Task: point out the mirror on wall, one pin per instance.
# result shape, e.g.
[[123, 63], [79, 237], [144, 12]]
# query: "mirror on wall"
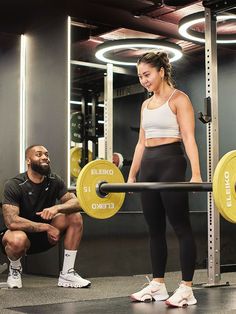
[[94, 89], [86, 116], [86, 102]]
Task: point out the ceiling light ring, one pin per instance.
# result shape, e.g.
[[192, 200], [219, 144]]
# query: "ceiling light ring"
[[199, 37], [145, 43]]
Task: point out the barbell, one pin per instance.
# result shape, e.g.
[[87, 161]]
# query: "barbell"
[[100, 188]]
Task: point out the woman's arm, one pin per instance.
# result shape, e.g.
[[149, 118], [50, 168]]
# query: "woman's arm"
[[185, 116], [138, 153]]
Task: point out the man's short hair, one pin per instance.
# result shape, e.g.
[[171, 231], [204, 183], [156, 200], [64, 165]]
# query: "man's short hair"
[[28, 149]]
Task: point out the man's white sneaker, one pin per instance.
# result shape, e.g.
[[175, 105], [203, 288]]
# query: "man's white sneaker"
[[14, 278], [72, 280], [155, 291], [183, 296]]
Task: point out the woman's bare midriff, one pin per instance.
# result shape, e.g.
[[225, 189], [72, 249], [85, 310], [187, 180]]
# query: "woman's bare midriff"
[[151, 142]]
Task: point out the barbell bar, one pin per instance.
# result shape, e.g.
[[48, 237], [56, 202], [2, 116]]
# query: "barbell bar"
[[100, 188], [103, 188]]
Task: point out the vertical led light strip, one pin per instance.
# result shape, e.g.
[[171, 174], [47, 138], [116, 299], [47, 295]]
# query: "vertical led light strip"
[[22, 132], [68, 97]]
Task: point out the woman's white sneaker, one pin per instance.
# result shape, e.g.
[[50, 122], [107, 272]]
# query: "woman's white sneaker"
[[183, 296], [155, 291]]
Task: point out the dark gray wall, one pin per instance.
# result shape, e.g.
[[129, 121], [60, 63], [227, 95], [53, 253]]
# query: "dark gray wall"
[[227, 100], [190, 77], [46, 98], [9, 106]]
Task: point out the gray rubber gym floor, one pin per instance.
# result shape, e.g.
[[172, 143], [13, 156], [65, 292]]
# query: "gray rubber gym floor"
[[111, 295]]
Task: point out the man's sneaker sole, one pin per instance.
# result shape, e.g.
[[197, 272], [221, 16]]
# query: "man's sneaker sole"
[[14, 286], [67, 284]]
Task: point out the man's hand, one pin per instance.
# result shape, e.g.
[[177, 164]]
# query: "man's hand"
[[48, 213], [53, 234]]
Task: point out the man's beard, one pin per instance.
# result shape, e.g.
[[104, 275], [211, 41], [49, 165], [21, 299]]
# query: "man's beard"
[[43, 170]]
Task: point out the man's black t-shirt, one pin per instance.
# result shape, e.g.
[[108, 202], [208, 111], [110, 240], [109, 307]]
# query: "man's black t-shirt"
[[31, 197]]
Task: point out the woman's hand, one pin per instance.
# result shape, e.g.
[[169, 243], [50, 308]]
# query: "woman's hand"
[[196, 179], [131, 180]]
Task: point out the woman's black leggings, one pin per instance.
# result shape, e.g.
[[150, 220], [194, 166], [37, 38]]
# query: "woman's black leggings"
[[167, 163]]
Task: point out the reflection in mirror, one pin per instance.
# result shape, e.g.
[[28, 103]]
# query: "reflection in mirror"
[[92, 94], [86, 116], [94, 88], [128, 96], [86, 103]]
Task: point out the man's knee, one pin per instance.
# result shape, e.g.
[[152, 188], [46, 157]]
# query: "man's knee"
[[76, 220], [16, 241]]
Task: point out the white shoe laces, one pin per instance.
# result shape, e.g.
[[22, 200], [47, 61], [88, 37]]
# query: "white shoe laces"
[[146, 283], [182, 288], [15, 273], [72, 271]]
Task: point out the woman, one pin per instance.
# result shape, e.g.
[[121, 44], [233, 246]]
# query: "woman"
[[167, 121]]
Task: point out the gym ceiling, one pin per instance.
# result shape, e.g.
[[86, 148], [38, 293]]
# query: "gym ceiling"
[[102, 20]]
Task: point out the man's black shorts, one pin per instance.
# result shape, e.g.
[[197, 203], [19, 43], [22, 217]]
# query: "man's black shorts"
[[39, 242]]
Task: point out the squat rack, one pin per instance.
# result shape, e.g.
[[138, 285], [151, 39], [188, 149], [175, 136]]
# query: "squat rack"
[[212, 7]]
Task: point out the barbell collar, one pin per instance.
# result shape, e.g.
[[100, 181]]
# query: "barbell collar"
[[104, 188]]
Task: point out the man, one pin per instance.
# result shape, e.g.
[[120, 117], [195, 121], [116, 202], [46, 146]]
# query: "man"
[[35, 220]]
